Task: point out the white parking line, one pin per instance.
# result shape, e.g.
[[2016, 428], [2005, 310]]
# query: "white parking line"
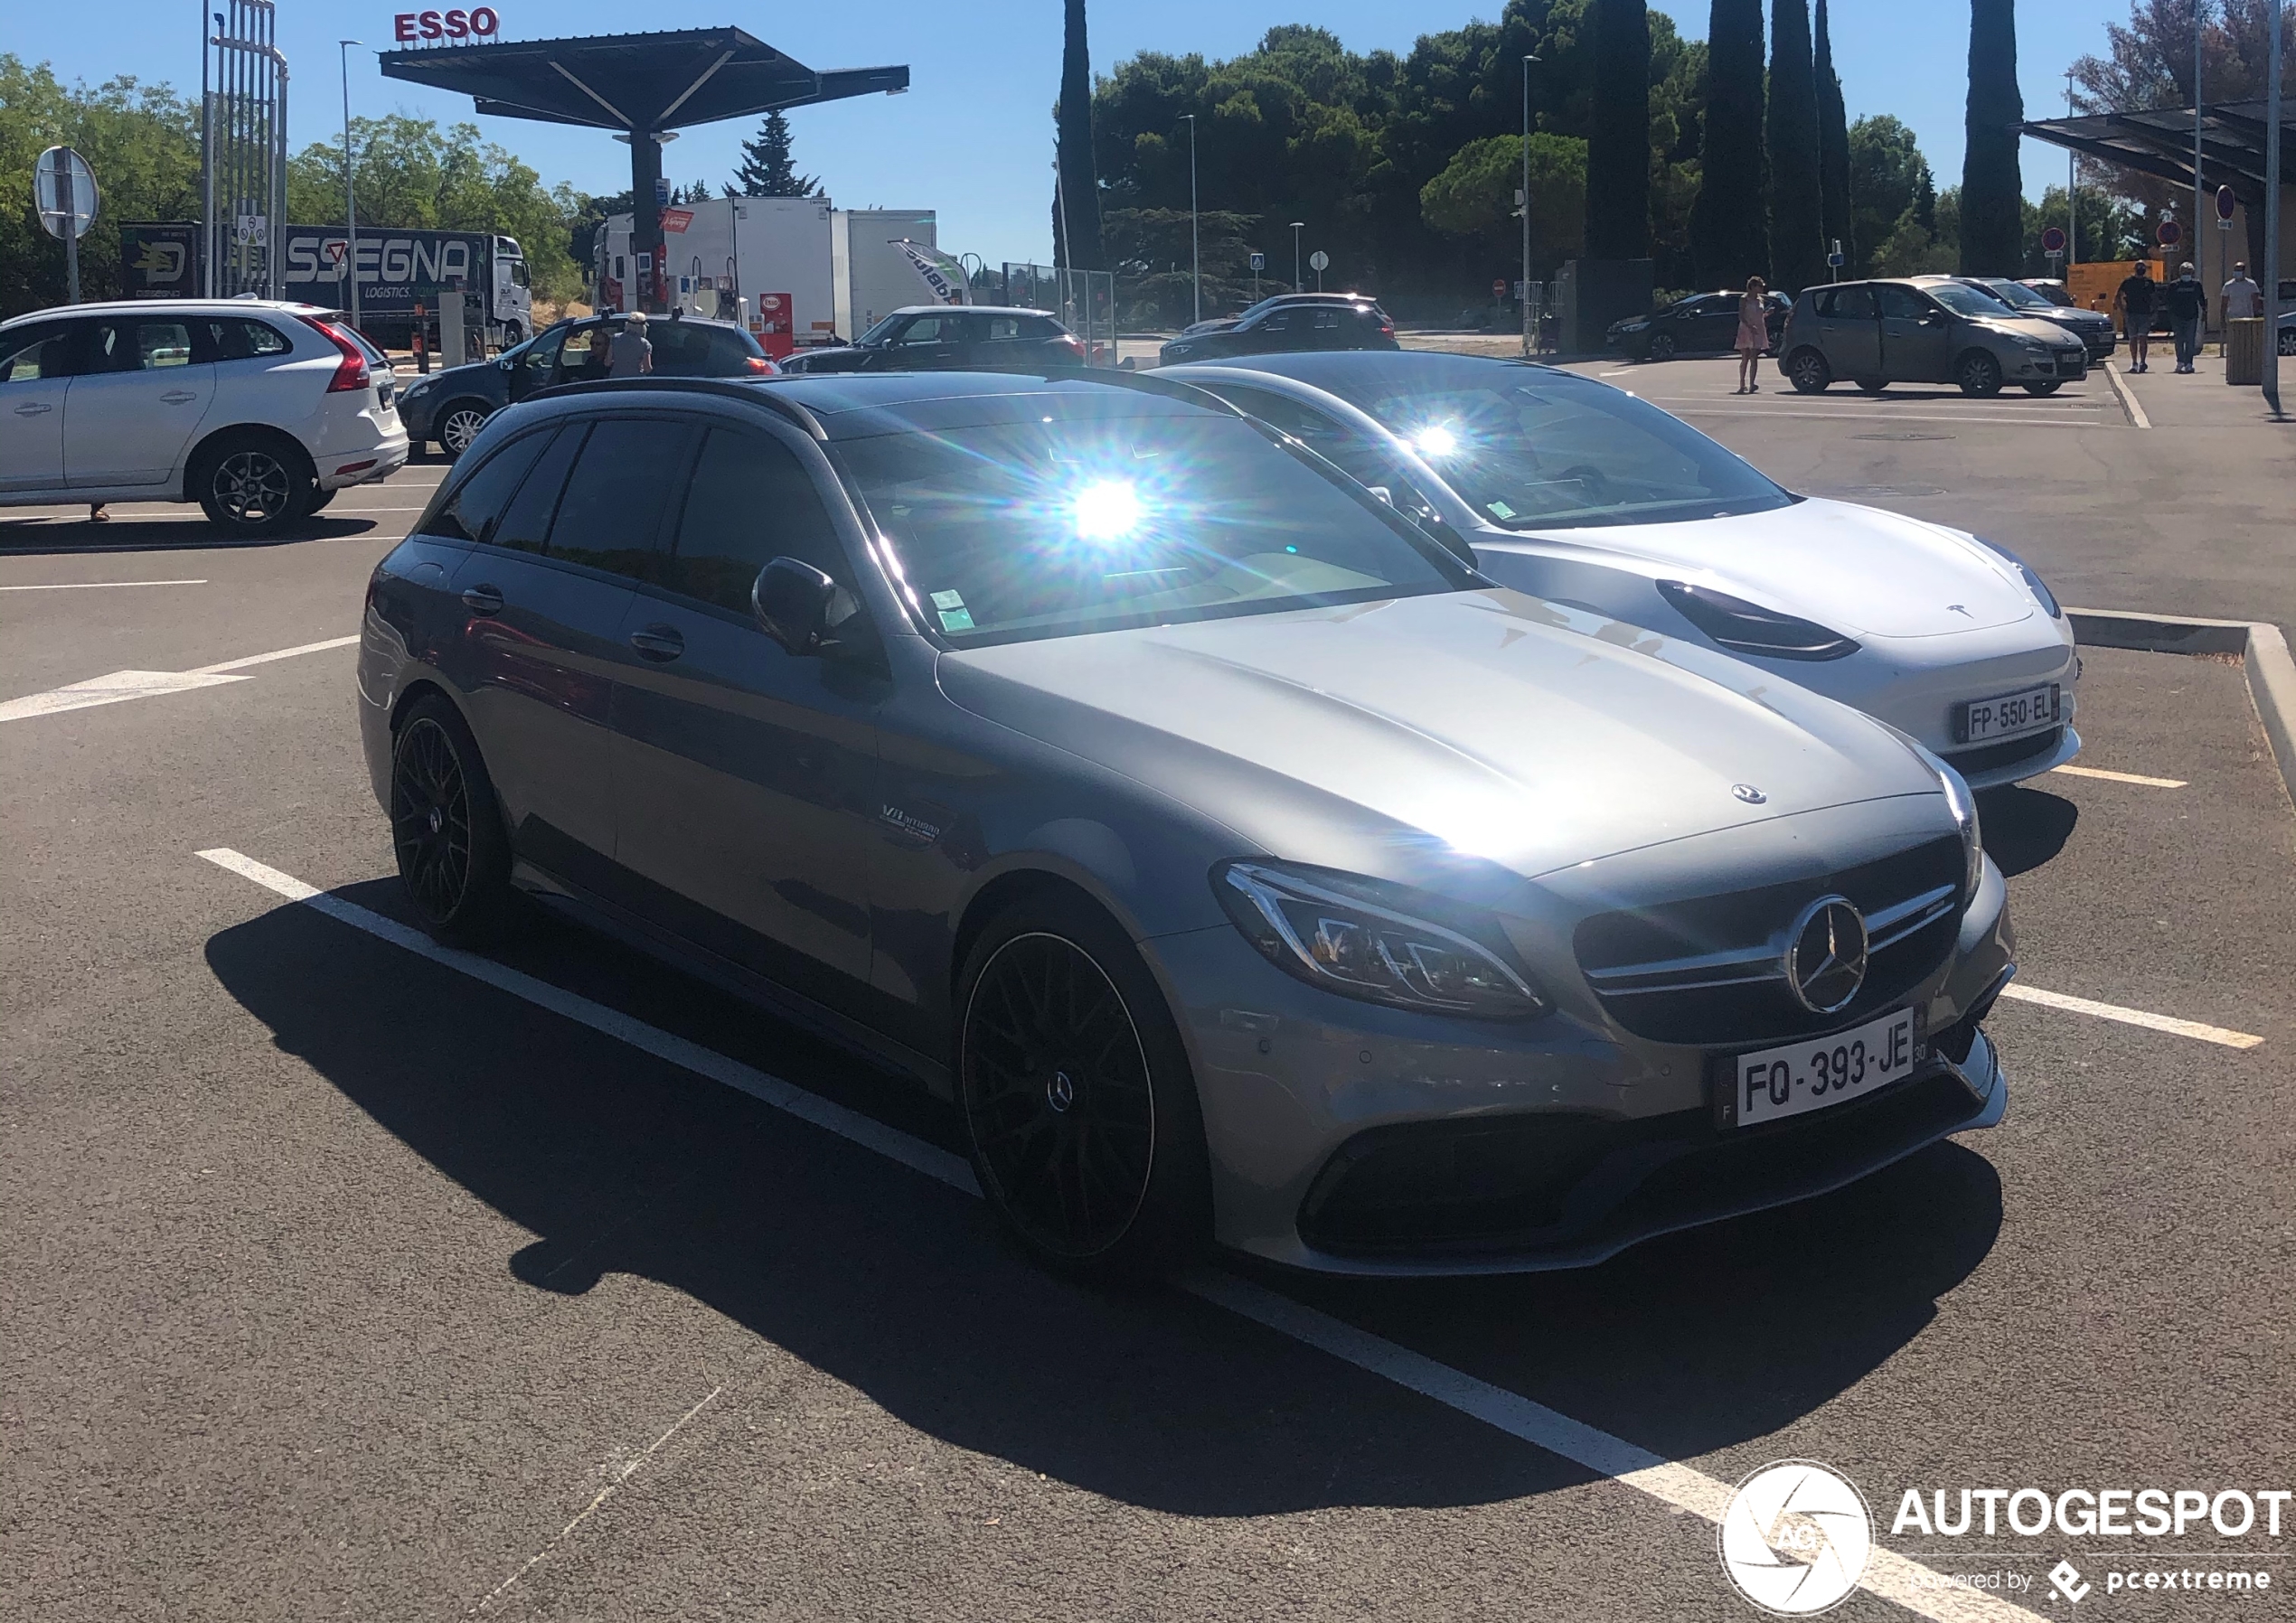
[[2121, 778], [1887, 1574], [2133, 1017], [123, 685], [2137, 417], [90, 586]]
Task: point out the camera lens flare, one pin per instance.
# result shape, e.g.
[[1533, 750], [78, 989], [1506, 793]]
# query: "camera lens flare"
[[1107, 510], [1434, 440]]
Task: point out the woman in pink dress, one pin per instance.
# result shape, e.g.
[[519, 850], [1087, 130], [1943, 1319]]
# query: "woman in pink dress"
[[1753, 336]]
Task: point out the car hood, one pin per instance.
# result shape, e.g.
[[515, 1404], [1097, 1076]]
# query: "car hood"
[[455, 376], [1862, 571], [2037, 327], [1483, 723]]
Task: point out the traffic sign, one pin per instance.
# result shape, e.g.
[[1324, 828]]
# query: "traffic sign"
[[64, 189], [1498, 285], [2225, 203], [1259, 261], [2053, 239], [2171, 233], [1319, 260]]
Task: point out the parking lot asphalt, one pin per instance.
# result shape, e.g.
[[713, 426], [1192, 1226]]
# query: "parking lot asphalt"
[[2195, 514], [340, 1280]]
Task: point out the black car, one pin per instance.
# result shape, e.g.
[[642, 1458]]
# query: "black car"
[[2093, 328], [1312, 321], [449, 406], [1703, 323], [974, 338]]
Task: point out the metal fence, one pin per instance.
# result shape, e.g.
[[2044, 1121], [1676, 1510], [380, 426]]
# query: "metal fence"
[[1084, 300], [243, 151]]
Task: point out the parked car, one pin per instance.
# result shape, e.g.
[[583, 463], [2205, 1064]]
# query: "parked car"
[[1571, 490], [450, 406], [2287, 332], [2093, 328], [257, 410], [946, 337], [1924, 330], [1242, 865], [1221, 324], [1291, 322], [1703, 323]]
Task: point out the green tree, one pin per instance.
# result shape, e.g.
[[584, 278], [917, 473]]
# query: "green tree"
[[1833, 147], [1618, 145], [142, 141], [1797, 255], [1076, 206], [1888, 179], [1729, 234], [1992, 192], [767, 169], [1473, 200]]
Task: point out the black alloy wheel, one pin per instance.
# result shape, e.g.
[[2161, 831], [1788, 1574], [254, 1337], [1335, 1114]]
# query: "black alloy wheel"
[[1662, 346], [1807, 369], [1076, 1100], [1872, 385], [250, 485], [1979, 375], [445, 826], [2045, 389], [459, 427]]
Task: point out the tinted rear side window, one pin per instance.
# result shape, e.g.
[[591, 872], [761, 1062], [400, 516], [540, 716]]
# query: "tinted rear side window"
[[680, 351], [525, 526], [748, 502], [229, 338], [610, 517], [478, 499], [1846, 303]]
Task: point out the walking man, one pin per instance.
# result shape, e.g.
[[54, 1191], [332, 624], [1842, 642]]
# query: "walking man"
[[2187, 304], [2242, 298], [632, 355], [2134, 301]]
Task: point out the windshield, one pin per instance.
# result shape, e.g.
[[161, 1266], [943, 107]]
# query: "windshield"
[[1530, 449], [883, 330], [2020, 295], [1962, 299], [1016, 530]]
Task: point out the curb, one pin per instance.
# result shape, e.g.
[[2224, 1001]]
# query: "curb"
[[2261, 650]]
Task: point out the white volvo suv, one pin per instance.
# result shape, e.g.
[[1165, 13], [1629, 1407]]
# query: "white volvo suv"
[[259, 411]]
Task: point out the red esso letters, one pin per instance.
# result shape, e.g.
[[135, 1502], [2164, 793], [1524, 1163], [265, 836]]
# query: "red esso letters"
[[481, 24]]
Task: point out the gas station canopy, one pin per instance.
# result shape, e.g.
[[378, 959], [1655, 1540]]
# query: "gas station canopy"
[[2158, 142]]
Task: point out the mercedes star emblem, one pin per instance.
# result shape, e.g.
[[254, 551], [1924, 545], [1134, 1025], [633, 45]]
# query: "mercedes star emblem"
[[1825, 960], [1749, 793]]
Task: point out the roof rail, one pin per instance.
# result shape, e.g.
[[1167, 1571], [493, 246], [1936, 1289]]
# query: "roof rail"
[[726, 388]]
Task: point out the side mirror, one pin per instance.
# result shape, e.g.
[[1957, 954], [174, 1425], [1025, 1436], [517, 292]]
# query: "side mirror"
[[790, 600]]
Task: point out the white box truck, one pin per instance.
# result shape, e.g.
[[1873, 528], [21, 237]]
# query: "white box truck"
[[873, 278], [763, 261]]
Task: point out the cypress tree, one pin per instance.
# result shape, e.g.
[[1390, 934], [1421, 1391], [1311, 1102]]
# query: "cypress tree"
[[1797, 256], [1833, 147], [1729, 237], [1992, 190], [1077, 179], [1618, 136]]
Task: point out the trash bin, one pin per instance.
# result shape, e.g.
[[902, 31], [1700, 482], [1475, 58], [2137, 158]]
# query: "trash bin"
[[2244, 350]]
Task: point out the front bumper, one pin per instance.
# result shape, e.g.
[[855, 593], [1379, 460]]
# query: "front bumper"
[[1573, 1137]]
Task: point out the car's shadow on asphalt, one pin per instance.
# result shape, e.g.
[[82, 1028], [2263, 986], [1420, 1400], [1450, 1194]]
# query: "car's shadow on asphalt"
[[2024, 828], [904, 1289], [26, 538]]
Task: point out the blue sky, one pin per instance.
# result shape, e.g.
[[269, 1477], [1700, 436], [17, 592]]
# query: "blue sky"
[[974, 138]]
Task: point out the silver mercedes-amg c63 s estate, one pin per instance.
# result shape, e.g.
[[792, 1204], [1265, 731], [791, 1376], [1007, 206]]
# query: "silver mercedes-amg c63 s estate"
[[1243, 866]]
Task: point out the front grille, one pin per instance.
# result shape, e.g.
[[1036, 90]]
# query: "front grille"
[[1710, 970], [1986, 757]]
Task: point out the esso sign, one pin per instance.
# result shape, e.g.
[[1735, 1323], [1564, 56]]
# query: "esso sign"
[[481, 24]]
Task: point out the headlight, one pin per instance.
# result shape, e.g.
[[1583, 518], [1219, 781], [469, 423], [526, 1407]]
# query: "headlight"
[[1743, 627], [1365, 938], [1964, 809], [2033, 583]]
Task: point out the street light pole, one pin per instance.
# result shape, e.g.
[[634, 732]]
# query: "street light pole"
[[2072, 195], [2199, 12], [349, 192], [1297, 225], [2272, 209], [1195, 237], [1525, 197]]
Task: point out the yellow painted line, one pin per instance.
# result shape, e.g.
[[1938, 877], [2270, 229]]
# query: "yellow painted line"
[[2134, 1017], [2120, 777]]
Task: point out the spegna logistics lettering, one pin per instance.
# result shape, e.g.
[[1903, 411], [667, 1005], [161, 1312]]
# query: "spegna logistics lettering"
[[2150, 1512]]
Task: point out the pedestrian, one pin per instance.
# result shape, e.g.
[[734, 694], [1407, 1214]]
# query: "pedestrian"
[[1753, 336], [631, 355], [2186, 301], [2134, 301], [2243, 300]]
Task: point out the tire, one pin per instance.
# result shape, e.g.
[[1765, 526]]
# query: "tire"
[[2287, 341], [252, 483], [458, 424], [319, 498], [1662, 346], [1807, 371], [1873, 386], [1979, 375], [1064, 1110], [447, 828], [2044, 389]]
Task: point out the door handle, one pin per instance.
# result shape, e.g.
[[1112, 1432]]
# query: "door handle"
[[662, 644], [179, 397], [34, 408], [482, 600]]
